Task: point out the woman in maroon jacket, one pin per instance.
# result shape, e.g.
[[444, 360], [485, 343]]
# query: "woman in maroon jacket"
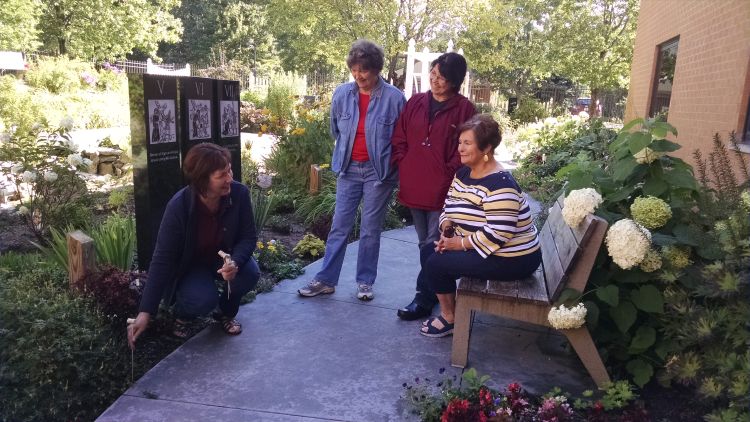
[[425, 145]]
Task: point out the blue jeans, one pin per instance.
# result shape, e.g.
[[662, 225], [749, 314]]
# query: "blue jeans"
[[358, 183], [426, 223], [197, 294]]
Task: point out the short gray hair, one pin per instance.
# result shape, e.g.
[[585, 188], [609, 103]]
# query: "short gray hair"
[[366, 54]]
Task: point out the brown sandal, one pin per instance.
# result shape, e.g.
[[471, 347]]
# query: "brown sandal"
[[180, 329], [231, 326]]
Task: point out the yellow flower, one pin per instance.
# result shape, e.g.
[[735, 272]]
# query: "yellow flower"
[[271, 248], [298, 131], [259, 245], [325, 166]]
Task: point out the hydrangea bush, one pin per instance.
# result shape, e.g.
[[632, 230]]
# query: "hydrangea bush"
[[668, 292], [41, 165]]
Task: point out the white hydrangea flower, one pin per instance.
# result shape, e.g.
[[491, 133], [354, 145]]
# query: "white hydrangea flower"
[[67, 123], [550, 121], [22, 210], [16, 169], [265, 180], [578, 204], [583, 115], [646, 156], [50, 176], [564, 318], [628, 243], [75, 160], [28, 176]]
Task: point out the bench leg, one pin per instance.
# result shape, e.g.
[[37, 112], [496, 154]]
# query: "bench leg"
[[461, 331], [580, 339]]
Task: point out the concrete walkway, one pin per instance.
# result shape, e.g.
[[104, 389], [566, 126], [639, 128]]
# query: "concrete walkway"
[[334, 358]]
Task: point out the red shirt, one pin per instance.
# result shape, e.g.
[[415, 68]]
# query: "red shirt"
[[208, 233], [359, 150]]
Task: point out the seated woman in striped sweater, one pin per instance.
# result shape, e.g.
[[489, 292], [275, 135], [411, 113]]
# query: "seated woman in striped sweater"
[[486, 225]]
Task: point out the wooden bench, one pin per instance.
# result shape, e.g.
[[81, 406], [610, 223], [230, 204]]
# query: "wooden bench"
[[567, 259]]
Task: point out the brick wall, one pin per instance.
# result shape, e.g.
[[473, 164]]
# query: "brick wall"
[[712, 74]]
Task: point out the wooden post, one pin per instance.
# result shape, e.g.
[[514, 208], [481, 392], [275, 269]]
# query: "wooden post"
[[81, 256], [314, 178]]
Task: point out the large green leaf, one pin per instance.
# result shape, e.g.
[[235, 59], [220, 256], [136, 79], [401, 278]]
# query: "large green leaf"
[[623, 168], [660, 239], [580, 180], [662, 145], [592, 313], [710, 251], [629, 125], [641, 370], [638, 141], [624, 315], [620, 194], [609, 294], [689, 235], [655, 186], [644, 337], [648, 298], [680, 177]]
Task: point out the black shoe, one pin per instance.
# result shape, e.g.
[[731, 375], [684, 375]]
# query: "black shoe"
[[413, 311]]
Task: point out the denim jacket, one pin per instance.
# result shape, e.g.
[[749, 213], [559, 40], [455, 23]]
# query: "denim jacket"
[[386, 102]]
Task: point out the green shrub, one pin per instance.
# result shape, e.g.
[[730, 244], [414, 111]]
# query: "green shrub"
[[43, 169], [58, 75], [60, 359], [542, 149], [280, 101], [115, 242], [683, 321], [252, 97], [529, 111], [119, 198], [274, 258], [309, 143], [17, 105], [310, 246]]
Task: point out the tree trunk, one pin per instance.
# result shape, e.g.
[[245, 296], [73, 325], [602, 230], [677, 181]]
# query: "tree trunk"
[[593, 107], [61, 46]]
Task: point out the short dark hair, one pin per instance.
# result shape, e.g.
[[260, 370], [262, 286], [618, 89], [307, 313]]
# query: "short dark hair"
[[201, 161], [486, 130], [366, 54], [452, 68]]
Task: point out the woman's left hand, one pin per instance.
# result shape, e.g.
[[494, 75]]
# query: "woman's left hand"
[[228, 271]]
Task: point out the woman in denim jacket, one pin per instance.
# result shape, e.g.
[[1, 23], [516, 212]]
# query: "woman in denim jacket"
[[363, 115]]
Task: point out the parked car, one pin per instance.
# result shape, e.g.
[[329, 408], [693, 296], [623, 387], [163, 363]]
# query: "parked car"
[[583, 104]]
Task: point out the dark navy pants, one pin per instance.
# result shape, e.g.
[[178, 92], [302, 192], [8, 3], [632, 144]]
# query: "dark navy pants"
[[443, 269], [197, 294]]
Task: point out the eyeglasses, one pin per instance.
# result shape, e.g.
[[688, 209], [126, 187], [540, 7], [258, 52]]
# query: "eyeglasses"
[[435, 76]]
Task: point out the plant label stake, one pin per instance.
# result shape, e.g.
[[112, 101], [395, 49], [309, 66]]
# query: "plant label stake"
[[132, 354], [227, 261]]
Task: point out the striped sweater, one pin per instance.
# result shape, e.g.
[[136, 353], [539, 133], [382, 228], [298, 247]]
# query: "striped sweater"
[[491, 213]]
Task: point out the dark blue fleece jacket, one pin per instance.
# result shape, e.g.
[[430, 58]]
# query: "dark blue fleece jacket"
[[175, 244]]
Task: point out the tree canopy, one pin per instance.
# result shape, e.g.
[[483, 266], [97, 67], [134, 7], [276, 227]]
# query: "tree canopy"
[[96, 29], [514, 42]]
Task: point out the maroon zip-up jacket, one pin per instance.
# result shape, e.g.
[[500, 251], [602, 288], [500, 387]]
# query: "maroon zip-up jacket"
[[427, 154]]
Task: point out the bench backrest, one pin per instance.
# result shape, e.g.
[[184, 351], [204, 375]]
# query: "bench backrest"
[[568, 253]]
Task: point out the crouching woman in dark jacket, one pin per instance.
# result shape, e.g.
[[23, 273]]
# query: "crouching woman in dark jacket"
[[213, 213]]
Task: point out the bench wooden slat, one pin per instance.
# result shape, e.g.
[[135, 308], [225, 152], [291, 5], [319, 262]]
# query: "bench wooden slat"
[[530, 289], [565, 241], [553, 270]]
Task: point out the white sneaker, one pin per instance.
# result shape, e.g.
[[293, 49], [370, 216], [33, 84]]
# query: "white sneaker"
[[364, 292]]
